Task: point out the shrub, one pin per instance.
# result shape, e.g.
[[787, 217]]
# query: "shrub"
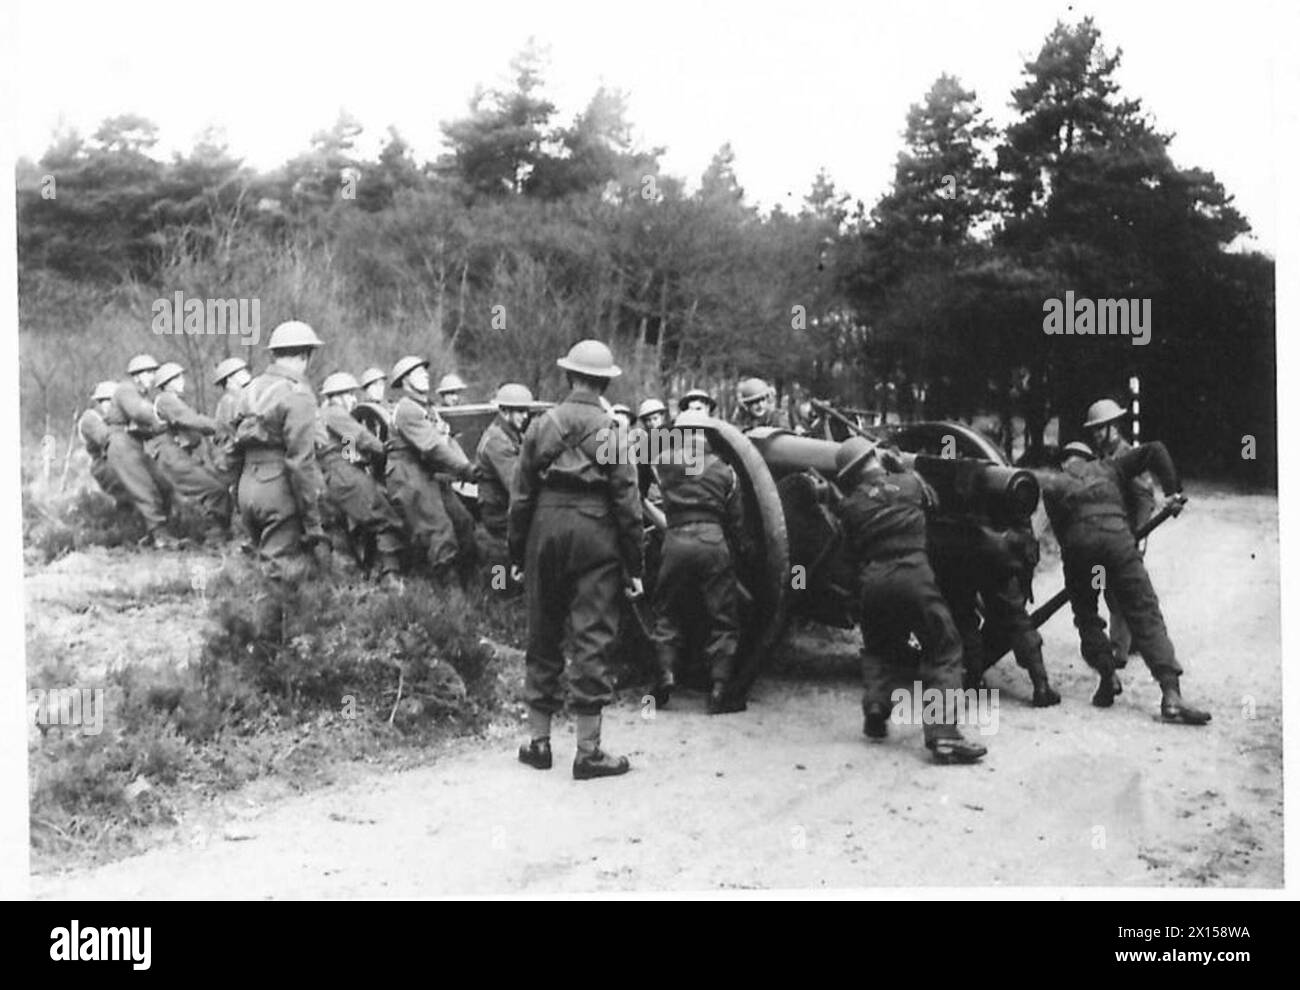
[[310, 645]]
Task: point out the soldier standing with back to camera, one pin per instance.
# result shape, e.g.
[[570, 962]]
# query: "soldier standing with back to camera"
[[280, 482], [575, 530], [885, 532], [702, 502], [1102, 424]]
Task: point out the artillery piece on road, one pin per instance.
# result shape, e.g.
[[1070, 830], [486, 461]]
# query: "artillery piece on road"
[[793, 561]]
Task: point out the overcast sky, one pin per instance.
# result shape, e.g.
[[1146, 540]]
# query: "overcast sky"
[[793, 86]]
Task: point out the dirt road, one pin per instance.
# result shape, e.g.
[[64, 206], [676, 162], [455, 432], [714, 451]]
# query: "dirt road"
[[791, 795]]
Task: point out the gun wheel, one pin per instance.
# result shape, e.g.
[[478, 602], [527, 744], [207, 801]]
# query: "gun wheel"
[[764, 572]]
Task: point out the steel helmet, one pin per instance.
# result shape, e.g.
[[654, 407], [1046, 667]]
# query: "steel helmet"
[[1104, 411], [104, 390], [1079, 448], [141, 362], [404, 367], [697, 393], [227, 368], [169, 371], [753, 388], [293, 335], [650, 407], [590, 357], [372, 375], [513, 396], [622, 407], [451, 382], [851, 454], [338, 382]]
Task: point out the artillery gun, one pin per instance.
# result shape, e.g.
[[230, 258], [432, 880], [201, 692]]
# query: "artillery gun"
[[792, 561]]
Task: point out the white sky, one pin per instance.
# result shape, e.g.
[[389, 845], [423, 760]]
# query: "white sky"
[[793, 86]]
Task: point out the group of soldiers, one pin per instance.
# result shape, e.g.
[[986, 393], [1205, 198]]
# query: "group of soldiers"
[[566, 520], [301, 474], [1096, 501]]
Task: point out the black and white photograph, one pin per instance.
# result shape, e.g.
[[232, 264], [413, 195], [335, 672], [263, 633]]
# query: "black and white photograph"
[[696, 450]]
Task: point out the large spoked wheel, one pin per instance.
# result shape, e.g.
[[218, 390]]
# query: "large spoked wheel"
[[763, 570]]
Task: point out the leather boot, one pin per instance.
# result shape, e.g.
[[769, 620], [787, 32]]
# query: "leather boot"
[[665, 680], [591, 761], [1108, 686], [949, 746], [537, 751], [723, 701], [1174, 709], [1044, 695], [875, 720]]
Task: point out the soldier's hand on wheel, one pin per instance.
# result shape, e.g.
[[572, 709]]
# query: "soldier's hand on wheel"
[[516, 574], [634, 589]]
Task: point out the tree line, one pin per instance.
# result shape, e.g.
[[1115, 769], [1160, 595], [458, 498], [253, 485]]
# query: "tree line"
[[530, 232]]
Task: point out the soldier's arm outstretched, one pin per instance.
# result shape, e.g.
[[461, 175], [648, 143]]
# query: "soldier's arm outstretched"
[[349, 430], [137, 409], [422, 434], [1153, 457]]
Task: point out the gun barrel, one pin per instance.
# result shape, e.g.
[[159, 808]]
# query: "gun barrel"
[[785, 453], [978, 487]]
